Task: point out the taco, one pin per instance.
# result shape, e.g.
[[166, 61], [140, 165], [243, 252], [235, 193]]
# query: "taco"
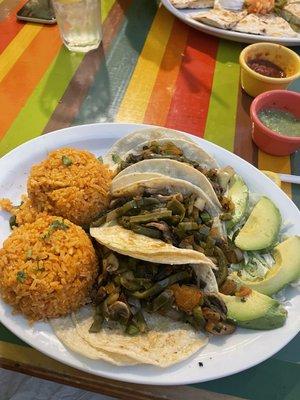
[[165, 148], [164, 220], [130, 141], [146, 312], [134, 182], [171, 168]]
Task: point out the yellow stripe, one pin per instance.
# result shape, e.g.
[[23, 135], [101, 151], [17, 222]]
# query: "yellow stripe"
[[17, 47], [276, 164], [106, 6], [136, 98]]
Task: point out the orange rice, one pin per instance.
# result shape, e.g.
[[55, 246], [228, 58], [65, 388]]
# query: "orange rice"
[[25, 213], [70, 183], [47, 268]]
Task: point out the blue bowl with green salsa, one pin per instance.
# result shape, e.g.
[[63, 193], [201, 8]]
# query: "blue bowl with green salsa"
[[275, 119]]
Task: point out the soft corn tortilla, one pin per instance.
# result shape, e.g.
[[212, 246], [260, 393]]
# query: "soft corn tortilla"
[[65, 330], [192, 3], [167, 342], [129, 243], [164, 183], [220, 18], [171, 168], [190, 150], [130, 141], [265, 25]]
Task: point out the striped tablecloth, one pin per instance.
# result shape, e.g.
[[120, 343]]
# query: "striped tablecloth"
[[150, 68]]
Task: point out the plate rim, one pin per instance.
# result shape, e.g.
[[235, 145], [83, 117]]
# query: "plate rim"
[[143, 379], [225, 33]]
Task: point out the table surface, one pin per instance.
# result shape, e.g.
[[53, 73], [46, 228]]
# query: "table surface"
[[150, 68]]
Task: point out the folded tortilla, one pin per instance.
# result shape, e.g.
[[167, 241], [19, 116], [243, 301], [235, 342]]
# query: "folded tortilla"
[[164, 183], [166, 343], [171, 168], [192, 3], [130, 141], [265, 25], [129, 243], [220, 18], [190, 150], [65, 330]]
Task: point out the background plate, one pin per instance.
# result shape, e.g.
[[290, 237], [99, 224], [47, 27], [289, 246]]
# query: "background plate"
[[222, 356], [223, 33]]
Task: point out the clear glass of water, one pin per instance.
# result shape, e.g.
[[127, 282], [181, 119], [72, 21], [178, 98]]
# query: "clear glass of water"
[[79, 22]]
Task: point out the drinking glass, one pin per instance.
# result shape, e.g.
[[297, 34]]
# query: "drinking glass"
[[79, 23]]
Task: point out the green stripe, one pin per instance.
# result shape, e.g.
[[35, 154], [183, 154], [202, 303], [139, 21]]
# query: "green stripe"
[[32, 119], [7, 336], [39, 107], [103, 100], [221, 118], [273, 379]]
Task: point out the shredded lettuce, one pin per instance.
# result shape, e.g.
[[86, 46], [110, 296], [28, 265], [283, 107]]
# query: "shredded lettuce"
[[255, 265]]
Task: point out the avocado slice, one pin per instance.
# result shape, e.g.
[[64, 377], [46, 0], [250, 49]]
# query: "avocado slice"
[[261, 228], [285, 270], [238, 193], [255, 311]]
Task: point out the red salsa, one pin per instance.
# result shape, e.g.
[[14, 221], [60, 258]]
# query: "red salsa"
[[266, 68]]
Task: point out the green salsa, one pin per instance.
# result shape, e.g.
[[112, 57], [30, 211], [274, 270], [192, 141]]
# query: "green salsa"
[[282, 122]]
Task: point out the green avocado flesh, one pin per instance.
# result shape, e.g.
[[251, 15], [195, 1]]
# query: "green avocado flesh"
[[261, 228], [239, 194], [255, 311], [285, 270]]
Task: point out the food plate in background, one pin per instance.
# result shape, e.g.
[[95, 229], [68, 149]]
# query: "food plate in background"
[[223, 356], [183, 15]]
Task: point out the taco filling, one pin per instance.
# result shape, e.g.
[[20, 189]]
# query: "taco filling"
[[127, 288], [176, 219], [155, 150]]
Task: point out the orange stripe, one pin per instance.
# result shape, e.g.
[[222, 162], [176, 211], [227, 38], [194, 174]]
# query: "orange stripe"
[[21, 80], [163, 89]]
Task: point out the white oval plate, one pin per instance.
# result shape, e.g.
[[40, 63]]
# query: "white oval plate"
[[222, 356], [184, 14]]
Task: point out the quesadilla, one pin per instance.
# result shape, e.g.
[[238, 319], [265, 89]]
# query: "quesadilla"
[[265, 25], [220, 18], [192, 3], [291, 13]]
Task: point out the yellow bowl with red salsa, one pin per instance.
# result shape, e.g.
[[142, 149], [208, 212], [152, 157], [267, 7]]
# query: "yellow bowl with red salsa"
[[268, 66]]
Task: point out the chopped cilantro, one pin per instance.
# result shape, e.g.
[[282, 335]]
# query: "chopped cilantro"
[[116, 158], [100, 159], [21, 276], [54, 226], [66, 161]]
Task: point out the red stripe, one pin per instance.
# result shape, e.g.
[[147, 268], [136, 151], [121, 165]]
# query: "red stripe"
[[10, 27], [189, 106]]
